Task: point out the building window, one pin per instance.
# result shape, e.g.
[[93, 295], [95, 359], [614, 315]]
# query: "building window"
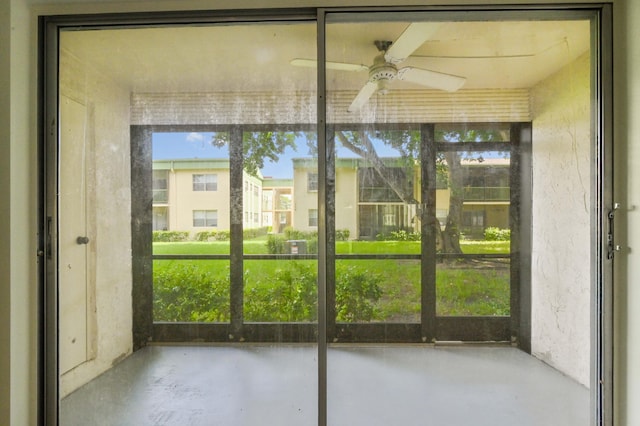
[[160, 186], [373, 187], [313, 217], [202, 218], [312, 181], [205, 182]]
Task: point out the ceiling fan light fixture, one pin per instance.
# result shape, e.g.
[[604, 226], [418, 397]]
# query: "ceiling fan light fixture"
[[383, 86]]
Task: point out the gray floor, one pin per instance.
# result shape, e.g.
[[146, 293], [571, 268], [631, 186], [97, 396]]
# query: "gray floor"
[[367, 385]]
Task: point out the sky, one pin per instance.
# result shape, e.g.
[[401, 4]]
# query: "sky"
[[173, 146], [188, 145]]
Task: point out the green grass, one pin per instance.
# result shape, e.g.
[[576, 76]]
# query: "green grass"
[[258, 246], [462, 287]]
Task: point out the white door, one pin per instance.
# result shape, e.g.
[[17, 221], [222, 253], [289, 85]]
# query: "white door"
[[73, 236]]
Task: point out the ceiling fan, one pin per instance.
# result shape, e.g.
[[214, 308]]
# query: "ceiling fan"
[[384, 68]]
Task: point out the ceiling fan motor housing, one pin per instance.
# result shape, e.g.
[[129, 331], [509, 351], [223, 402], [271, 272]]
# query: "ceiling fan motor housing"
[[382, 72]]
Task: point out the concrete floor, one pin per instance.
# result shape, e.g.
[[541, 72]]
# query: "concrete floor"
[[367, 385]]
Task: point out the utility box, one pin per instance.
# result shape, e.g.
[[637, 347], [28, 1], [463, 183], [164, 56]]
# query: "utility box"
[[296, 246]]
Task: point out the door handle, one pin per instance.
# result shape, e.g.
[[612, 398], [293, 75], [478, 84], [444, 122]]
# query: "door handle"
[[82, 240]]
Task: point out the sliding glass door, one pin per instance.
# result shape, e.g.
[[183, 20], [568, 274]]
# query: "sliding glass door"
[[327, 216]]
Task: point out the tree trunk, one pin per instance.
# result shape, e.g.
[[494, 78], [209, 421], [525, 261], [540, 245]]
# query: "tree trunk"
[[451, 233]]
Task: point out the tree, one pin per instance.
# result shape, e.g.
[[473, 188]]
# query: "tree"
[[258, 146]]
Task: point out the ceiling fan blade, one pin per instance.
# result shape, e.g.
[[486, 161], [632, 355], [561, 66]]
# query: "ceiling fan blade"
[[433, 79], [363, 96], [413, 37], [342, 66]]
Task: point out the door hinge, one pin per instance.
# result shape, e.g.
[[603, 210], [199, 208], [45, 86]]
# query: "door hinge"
[[612, 248]]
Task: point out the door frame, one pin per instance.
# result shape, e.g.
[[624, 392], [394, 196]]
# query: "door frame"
[[602, 189]]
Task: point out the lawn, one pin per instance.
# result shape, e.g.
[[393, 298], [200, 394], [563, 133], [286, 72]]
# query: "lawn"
[[367, 289]]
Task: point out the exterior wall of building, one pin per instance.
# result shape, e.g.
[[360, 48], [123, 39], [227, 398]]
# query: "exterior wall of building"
[[561, 279], [303, 199], [107, 314], [252, 202], [347, 200], [184, 200]]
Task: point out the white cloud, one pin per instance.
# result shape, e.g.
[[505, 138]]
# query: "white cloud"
[[195, 137]]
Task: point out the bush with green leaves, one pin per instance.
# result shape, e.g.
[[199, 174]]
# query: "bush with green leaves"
[[185, 292], [342, 234], [399, 235], [251, 233], [221, 235], [287, 296], [497, 234], [276, 244], [170, 236], [357, 292]]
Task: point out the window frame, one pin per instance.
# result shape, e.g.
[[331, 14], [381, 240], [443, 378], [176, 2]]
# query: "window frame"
[[209, 183]]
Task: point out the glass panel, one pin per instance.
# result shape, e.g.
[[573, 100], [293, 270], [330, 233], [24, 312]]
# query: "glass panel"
[[475, 223], [280, 287], [448, 126], [377, 196], [190, 290], [473, 132], [178, 146], [194, 168]]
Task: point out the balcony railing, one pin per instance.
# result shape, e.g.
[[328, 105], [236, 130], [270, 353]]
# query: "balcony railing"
[[160, 196], [486, 193]]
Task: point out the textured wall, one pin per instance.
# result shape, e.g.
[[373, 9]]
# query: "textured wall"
[[109, 217], [560, 264]]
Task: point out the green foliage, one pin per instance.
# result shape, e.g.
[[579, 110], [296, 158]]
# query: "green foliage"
[[342, 234], [473, 292], [400, 235], [223, 235], [311, 237], [289, 295], [497, 234], [260, 146], [170, 236], [251, 233], [184, 292], [276, 244], [357, 292]]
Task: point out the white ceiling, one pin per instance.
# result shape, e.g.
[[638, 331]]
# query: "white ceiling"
[[257, 57]]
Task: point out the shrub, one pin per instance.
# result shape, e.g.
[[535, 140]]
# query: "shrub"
[[251, 233], [289, 295], [184, 292], [276, 244], [170, 236], [497, 234], [206, 236], [400, 235], [342, 234], [357, 292]]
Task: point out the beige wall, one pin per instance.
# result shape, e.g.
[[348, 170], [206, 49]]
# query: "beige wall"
[[347, 200], [108, 211], [18, 124], [183, 200], [561, 278], [303, 200]]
